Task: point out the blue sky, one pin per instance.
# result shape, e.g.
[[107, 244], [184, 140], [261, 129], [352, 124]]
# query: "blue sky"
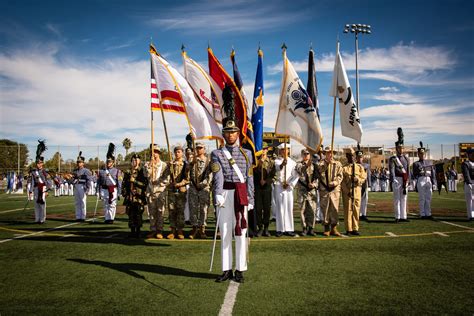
[[77, 73]]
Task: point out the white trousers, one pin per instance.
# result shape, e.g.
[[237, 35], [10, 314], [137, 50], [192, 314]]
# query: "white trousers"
[[227, 228], [80, 198], [40, 209], [71, 189], [383, 186], [469, 194], [283, 209], [363, 203], [109, 209], [57, 190], [319, 215], [425, 191], [399, 199], [452, 185]]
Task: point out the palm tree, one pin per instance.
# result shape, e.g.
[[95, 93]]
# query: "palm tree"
[[127, 144]]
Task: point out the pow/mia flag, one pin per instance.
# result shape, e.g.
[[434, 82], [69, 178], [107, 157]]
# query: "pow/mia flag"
[[297, 115], [350, 119]]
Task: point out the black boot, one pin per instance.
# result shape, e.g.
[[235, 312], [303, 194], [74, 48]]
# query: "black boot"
[[239, 276], [137, 232], [311, 231], [132, 232], [227, 275], [266, 233]]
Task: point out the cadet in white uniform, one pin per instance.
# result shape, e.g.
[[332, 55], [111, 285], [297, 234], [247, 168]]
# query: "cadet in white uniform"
[[399, 176], [82, 179], [423, 173], [467, 168], [109, 183], [286, 178]]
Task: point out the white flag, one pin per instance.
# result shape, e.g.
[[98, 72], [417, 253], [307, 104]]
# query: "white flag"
[[203, 86], [296, 114], [350, 119], [201, 124]]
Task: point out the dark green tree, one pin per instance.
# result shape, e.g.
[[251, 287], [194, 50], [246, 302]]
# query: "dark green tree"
[[9, 155]]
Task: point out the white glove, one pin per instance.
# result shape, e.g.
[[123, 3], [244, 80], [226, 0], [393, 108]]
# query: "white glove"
[[220, 200], [250, 207]]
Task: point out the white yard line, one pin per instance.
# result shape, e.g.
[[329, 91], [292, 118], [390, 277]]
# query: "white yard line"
[[391, 234], [440, 234], [30, 208], [229, 299], [41, 232], [457, 225]]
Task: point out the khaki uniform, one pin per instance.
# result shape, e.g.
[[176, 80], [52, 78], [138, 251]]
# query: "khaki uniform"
[[158, 180], [306, 193], [351, 187], [264, 171], [200, 177], [330, 178], [177, 194]]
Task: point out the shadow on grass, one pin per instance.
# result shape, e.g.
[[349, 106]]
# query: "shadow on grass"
[[130, 268]]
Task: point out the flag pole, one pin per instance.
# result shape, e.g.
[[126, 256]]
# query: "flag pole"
[[152, 128], [283, 47], [335, 97]]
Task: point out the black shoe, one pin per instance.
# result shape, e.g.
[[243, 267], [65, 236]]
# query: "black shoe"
[[404, 220], [363, 218], [397, 220], [291, 234], [279, 234], [303, 232], [347, 233], [187, 223], [238, 277], [266, 233], [78, 220], [227, 275], [355, 233], [311, 231], [429, 217], [260, 232]]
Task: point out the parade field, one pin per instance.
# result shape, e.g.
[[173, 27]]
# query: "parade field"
[[67, 267]]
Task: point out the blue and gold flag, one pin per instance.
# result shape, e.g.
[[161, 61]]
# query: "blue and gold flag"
[[257, 108]]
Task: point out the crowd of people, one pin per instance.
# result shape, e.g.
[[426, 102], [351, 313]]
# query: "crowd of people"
[[246, 195]]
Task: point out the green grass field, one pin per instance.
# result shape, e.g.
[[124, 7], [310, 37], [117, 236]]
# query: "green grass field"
[[93, 268]]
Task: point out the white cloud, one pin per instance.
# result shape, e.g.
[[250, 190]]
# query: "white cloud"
[[409, 65], [70, 102], [405, 98], [228, 16], [389, 89]]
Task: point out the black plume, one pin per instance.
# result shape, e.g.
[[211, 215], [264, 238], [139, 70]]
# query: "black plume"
[[111, 150], [421, 144], [228, 106], [80, 154], [400, 135], [189, 141], [358, 147], [41, 148]]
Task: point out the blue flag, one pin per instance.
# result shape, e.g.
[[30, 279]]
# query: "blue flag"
[[257, 107]]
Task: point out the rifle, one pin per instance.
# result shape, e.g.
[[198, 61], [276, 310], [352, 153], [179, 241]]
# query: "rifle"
[[353, 187]]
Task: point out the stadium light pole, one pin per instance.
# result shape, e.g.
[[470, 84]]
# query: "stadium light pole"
[[356, 29]]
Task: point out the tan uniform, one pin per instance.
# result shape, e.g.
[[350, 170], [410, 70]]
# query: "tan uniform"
[[156, 194], [199, 191], [177, 193], [351, 187], [306, 194], [330, 178]]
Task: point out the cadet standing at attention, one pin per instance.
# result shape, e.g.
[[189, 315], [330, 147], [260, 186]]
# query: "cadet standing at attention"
[[423, 173], [82, 178], [109, 184], [179, 170], [158, 180], [353, 177], [200, 177], [330, 178], [40, 184], [306, 191], [399, 176], [263, 175], [467, 168], [134, 188]]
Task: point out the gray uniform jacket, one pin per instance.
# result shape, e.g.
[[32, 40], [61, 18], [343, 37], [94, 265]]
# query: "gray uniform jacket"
[[82, 176], [223, 171], [104, 179], [467, 168], [423, 168], [395, 170]]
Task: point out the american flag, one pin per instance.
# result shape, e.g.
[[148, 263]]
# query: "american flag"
[[171, 100]]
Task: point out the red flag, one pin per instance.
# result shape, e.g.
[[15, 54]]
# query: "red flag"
[[221, 77]]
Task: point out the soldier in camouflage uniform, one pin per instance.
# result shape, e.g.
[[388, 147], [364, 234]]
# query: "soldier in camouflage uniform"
[[263, 175], [158, 179], [179, 172], [199, 191], [354, 176], [306, 191], [134, 188]]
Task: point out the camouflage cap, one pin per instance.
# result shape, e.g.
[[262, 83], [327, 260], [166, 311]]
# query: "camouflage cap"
[[200, 145], [176, 148], [155, 148]]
